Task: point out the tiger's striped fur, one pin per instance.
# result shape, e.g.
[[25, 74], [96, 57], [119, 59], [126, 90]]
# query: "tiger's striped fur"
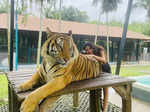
[[62, 64]]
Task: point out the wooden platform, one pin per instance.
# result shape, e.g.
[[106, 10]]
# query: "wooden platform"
[[120, 84]]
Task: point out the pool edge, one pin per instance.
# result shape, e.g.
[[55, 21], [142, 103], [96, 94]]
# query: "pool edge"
[[141, 91]]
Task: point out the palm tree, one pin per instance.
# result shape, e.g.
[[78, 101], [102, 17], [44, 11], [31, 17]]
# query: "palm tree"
[[123, 38], [107, 6]]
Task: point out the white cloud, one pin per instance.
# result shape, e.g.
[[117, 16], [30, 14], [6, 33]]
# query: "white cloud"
[[138, 14]]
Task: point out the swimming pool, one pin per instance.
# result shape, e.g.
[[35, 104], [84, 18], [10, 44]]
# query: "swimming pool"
[[141, 89], [144, 80]]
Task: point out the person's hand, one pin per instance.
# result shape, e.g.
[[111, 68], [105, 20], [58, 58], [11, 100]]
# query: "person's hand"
[[91, 56]]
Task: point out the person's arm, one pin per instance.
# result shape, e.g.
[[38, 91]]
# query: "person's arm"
[[100, 58]]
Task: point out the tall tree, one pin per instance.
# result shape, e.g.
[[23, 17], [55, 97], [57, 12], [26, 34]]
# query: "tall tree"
[[50, 8], [69, 14], [123, 38], [107, 6]]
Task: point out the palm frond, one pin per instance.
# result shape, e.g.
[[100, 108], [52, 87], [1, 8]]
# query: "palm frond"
[[110, 5], [96, 2], [142, 3]]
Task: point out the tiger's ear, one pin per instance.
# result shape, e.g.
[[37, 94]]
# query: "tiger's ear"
[[49, 32]]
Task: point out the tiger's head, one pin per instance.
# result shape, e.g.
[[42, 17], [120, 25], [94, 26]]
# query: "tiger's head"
[[59, 48]]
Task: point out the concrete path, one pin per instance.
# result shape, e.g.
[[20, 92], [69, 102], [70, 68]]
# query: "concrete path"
[[137, 105]]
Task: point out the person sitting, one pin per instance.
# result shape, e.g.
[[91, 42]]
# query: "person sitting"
[[98, 52]]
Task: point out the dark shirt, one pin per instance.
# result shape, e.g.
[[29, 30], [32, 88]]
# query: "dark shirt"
[[105, 67]]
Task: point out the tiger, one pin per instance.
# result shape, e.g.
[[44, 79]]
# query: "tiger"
[[62, 64]]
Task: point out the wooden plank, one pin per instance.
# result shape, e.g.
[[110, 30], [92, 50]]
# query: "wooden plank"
[[90, 84], [22, 71], [19, 79], [104, 80], [23, 75]]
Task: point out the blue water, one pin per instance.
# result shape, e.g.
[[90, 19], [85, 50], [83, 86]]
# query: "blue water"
[[144, 80]]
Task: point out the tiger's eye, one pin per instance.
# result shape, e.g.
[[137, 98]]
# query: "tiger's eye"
[[60, 42]]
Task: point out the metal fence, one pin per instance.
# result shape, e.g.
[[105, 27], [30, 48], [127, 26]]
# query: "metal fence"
[[145, 58]]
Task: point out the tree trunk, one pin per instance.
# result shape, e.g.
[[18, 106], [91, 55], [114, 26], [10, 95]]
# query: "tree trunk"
[[59, 27], [40, 38], [123, 39], [98, 22], [107, 36]]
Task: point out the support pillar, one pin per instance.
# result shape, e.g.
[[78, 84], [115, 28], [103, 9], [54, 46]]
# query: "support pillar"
[[137, 50], [11, 35]]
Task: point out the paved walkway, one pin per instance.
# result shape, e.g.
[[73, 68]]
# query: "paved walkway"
[[137, 105], [65, 104]]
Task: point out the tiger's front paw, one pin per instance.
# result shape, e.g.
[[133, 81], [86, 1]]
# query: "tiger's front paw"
[[29, 104], [20, 89], [24, 87]]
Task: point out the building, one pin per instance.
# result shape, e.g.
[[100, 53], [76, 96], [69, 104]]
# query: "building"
[[82, 32]]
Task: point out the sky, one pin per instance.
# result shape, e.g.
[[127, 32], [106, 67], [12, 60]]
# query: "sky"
[[138, 14]]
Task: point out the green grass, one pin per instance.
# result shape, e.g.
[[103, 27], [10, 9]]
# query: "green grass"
[[137, 70], [3, 87]]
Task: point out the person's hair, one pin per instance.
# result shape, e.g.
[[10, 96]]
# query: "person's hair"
[[88, 44], [96, 49]]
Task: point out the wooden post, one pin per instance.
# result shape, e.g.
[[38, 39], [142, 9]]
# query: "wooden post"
[[10, 101], [75, 99], [137, 50], [94, 101], [29, 51], [11, 30], [125, 93], [14, 104], [112, 51]]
